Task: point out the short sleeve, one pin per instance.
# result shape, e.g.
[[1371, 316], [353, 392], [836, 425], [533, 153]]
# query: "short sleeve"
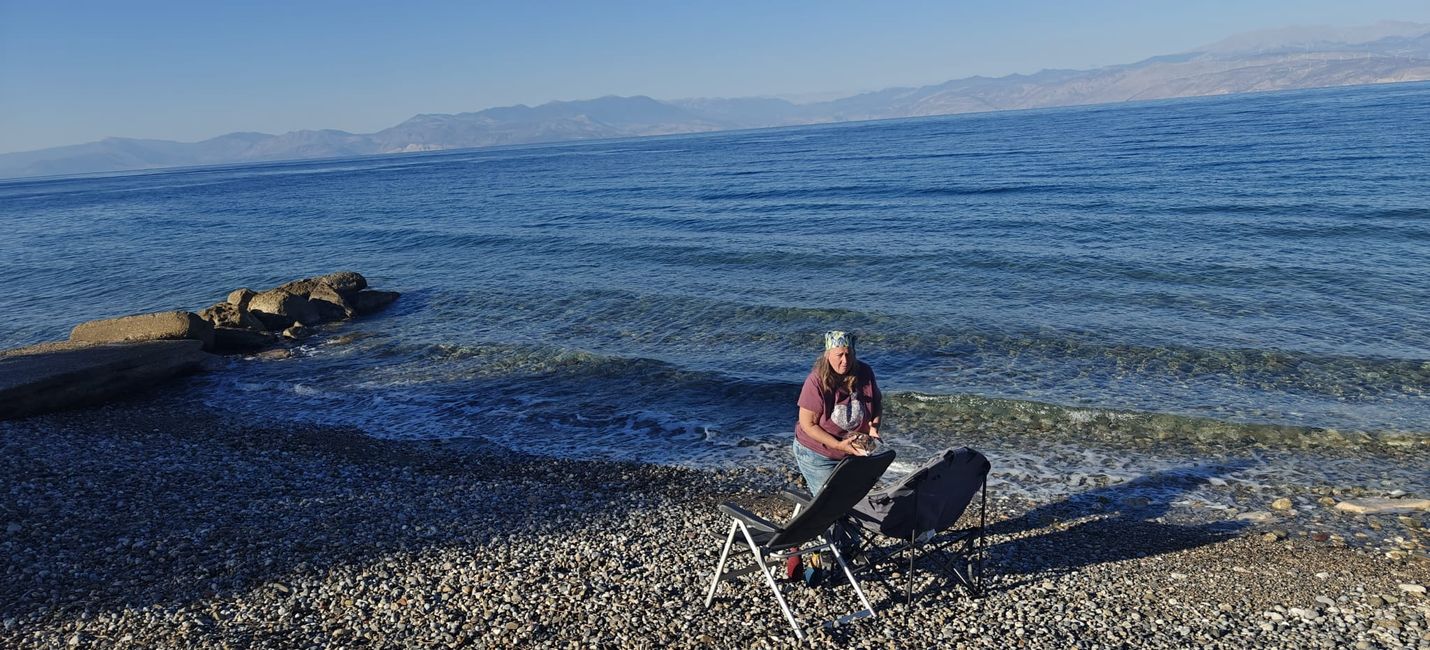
[[809, 396]]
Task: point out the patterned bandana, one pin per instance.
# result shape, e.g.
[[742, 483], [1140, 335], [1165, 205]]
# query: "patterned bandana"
[[838, 339]]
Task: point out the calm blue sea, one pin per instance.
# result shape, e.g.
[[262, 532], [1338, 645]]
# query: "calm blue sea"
[[1247, 267]]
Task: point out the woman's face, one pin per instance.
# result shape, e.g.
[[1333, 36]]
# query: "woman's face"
[[838, 359]]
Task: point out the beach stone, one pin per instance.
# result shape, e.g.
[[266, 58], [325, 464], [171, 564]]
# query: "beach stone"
[[1257, 516], [368, 302], [227, 314], [157, 326], [279, 309], [1411, 588], [1373, 506], [1281, 504]]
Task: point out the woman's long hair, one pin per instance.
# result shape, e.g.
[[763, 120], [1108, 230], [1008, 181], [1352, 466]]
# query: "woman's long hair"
[[829, 380]]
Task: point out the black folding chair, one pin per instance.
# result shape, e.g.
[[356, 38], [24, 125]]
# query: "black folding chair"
[[772, 543], [915, 516]]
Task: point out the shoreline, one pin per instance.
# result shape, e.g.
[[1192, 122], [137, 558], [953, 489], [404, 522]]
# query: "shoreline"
[[160, 522]]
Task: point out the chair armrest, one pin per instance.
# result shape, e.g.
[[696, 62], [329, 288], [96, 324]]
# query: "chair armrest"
[[751, 519], [797, 496]]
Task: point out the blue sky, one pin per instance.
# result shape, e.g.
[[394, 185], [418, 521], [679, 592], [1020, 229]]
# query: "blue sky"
[[73, 72]]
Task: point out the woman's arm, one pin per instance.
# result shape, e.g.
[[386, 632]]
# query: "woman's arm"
[[809, 422]]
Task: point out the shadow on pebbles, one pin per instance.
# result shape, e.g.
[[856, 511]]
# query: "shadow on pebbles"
[[162, 523]]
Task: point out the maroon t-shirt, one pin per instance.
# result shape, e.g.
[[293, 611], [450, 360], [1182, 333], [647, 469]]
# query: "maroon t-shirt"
[[824, 403]]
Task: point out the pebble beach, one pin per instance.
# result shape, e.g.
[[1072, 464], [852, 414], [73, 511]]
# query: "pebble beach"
[[164, 522]]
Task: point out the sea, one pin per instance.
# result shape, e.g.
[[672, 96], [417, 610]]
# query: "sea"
[[1232, 288]]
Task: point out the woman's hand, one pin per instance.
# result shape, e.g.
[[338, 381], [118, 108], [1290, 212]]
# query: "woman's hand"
[[873, 430], [847, 446]]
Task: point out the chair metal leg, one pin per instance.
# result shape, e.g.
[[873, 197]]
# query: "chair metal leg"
[[855, 583], [720, 568], [770, 580], [909, 576]]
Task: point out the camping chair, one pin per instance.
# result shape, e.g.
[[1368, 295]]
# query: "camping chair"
[[917, 511], [772, 543]]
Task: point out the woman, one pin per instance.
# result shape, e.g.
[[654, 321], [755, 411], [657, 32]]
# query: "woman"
[[840, 400]]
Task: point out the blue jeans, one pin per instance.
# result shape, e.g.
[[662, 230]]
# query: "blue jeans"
[[815, 468]]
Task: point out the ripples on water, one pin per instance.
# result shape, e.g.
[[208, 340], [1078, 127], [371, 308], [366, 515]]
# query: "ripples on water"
[[1223, 270]]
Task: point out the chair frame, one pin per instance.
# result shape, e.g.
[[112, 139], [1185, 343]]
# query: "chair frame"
[[933, 544], [805, 533], [928, 543], [743, 521]]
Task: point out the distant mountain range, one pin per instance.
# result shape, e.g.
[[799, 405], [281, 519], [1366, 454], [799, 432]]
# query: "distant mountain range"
[[1275, 60]]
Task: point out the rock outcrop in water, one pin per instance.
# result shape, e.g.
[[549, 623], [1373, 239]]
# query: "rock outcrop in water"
[[248, 320], [53, 376], [108, 358], [158, 326]]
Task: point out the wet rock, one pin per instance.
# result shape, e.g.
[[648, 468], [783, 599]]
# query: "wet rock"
[[368, 302], [1282, 504], [275, 354], [297, 332], [1372, 506], [228, 340]]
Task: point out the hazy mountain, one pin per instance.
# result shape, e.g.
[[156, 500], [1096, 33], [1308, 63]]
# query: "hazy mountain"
[[1294, 39], [1305, 57], [607, 117]]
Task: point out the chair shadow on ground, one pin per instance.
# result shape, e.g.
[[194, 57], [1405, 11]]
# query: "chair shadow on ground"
[[1108, 524]]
